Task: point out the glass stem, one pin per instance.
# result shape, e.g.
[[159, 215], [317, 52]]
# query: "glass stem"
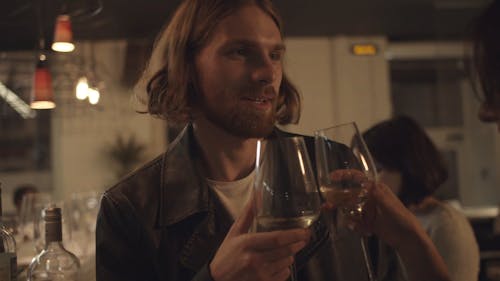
[[293, 273], [368, 262]]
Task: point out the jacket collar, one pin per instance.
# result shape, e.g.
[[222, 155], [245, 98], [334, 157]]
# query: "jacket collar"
[[181, 179], [185, 194], [184, 191]]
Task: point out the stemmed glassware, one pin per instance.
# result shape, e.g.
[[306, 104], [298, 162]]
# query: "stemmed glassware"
[[30, 234], [344, 167], [83, 208], [286, 194]]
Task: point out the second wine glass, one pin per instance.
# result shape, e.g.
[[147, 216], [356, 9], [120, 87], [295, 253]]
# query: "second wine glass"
[[286, 193], [344, 166]]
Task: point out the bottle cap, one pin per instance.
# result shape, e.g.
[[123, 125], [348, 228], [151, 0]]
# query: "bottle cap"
[[52, 214], [53, 227]]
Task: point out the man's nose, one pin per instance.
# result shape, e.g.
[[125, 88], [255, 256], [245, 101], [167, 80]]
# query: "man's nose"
[[488, 113], [265, 71]]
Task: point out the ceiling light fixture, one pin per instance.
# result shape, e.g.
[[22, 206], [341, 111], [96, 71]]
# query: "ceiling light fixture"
[[82, 88], [42, 96], [94, 95], [63, 35]]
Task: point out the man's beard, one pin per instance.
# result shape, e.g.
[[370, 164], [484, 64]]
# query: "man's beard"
[[243, 121]]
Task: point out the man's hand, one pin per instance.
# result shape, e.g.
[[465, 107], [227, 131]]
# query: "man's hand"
[[256, 256]]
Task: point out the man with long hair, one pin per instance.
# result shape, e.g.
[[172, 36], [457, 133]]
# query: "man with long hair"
[[218, 66]]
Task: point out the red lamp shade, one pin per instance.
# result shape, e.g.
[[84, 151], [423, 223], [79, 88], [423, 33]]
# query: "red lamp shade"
[[42, 96], [63, 35]]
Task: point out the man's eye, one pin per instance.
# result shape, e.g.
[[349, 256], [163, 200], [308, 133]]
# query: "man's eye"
[[239, 52], [276, 56]]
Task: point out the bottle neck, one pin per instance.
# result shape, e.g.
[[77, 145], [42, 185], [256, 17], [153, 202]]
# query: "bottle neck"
[[54, 245], [53, 232]]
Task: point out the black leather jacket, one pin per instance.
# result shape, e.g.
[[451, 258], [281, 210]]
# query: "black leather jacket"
[[164, 223]]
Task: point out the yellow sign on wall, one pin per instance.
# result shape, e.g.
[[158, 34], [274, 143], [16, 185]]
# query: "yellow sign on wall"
[[364, 49]]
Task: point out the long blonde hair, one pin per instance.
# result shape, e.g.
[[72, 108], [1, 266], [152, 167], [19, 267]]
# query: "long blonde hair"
[[168, 84]]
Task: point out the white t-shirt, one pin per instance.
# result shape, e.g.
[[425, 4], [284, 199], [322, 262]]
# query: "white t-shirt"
[[234, 194], [454, 238]]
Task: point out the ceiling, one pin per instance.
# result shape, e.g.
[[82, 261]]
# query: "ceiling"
[[21, 21]]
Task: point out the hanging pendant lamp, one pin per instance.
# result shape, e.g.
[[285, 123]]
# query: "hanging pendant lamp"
[[63, 35], [42, 96]]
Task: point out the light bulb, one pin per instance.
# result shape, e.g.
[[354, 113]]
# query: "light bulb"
[[64, 47], [94, 95], [82, 88]]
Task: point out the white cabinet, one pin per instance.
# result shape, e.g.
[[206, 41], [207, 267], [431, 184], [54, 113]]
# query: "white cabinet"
[[337, 86]]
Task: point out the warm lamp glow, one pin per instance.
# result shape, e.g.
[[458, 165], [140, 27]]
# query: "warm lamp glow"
[[63, 35], [82, 88], [41, 93], [94, 95], [364, 49], [63, 47], [42, 105]]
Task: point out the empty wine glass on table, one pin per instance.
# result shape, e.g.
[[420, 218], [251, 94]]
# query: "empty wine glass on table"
[[286, 194], [82, 209], [30, 234], [32, 205], [344, 167]]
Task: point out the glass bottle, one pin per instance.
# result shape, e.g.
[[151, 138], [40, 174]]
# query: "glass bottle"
[[8, 260], [54, 263]]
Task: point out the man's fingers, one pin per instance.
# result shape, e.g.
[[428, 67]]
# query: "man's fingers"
[[242, 224], [275, 239], [279, 265], [282, 275], [283, 252]]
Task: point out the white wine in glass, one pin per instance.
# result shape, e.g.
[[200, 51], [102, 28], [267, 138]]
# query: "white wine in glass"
[[286, 194], [344, 167]]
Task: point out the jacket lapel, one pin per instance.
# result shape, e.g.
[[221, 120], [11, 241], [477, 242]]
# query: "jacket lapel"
[[186, 197], [206, 239]]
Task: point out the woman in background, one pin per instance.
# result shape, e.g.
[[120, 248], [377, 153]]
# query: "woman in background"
[[486, 62], [409, 163]]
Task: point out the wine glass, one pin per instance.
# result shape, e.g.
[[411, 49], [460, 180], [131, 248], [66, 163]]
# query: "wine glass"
[[286, 194], [344, 166], [30, 234], [30, 216], [83, 208]]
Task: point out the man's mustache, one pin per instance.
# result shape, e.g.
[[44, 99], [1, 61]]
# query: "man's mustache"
[[267, 92]]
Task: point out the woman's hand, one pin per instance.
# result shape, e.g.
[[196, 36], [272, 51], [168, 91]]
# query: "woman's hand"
[[384, 215]]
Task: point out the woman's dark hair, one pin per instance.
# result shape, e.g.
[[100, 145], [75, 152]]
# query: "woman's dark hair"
[[22, 190], [486, 53], [400, 144]]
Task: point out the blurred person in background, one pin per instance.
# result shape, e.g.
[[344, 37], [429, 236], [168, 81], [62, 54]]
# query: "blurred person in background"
[[21, 191], [486, 62], [410, 164]]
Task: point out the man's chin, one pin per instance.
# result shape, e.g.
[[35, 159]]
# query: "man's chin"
[[260, 132], [246, 126], [242, 122]]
